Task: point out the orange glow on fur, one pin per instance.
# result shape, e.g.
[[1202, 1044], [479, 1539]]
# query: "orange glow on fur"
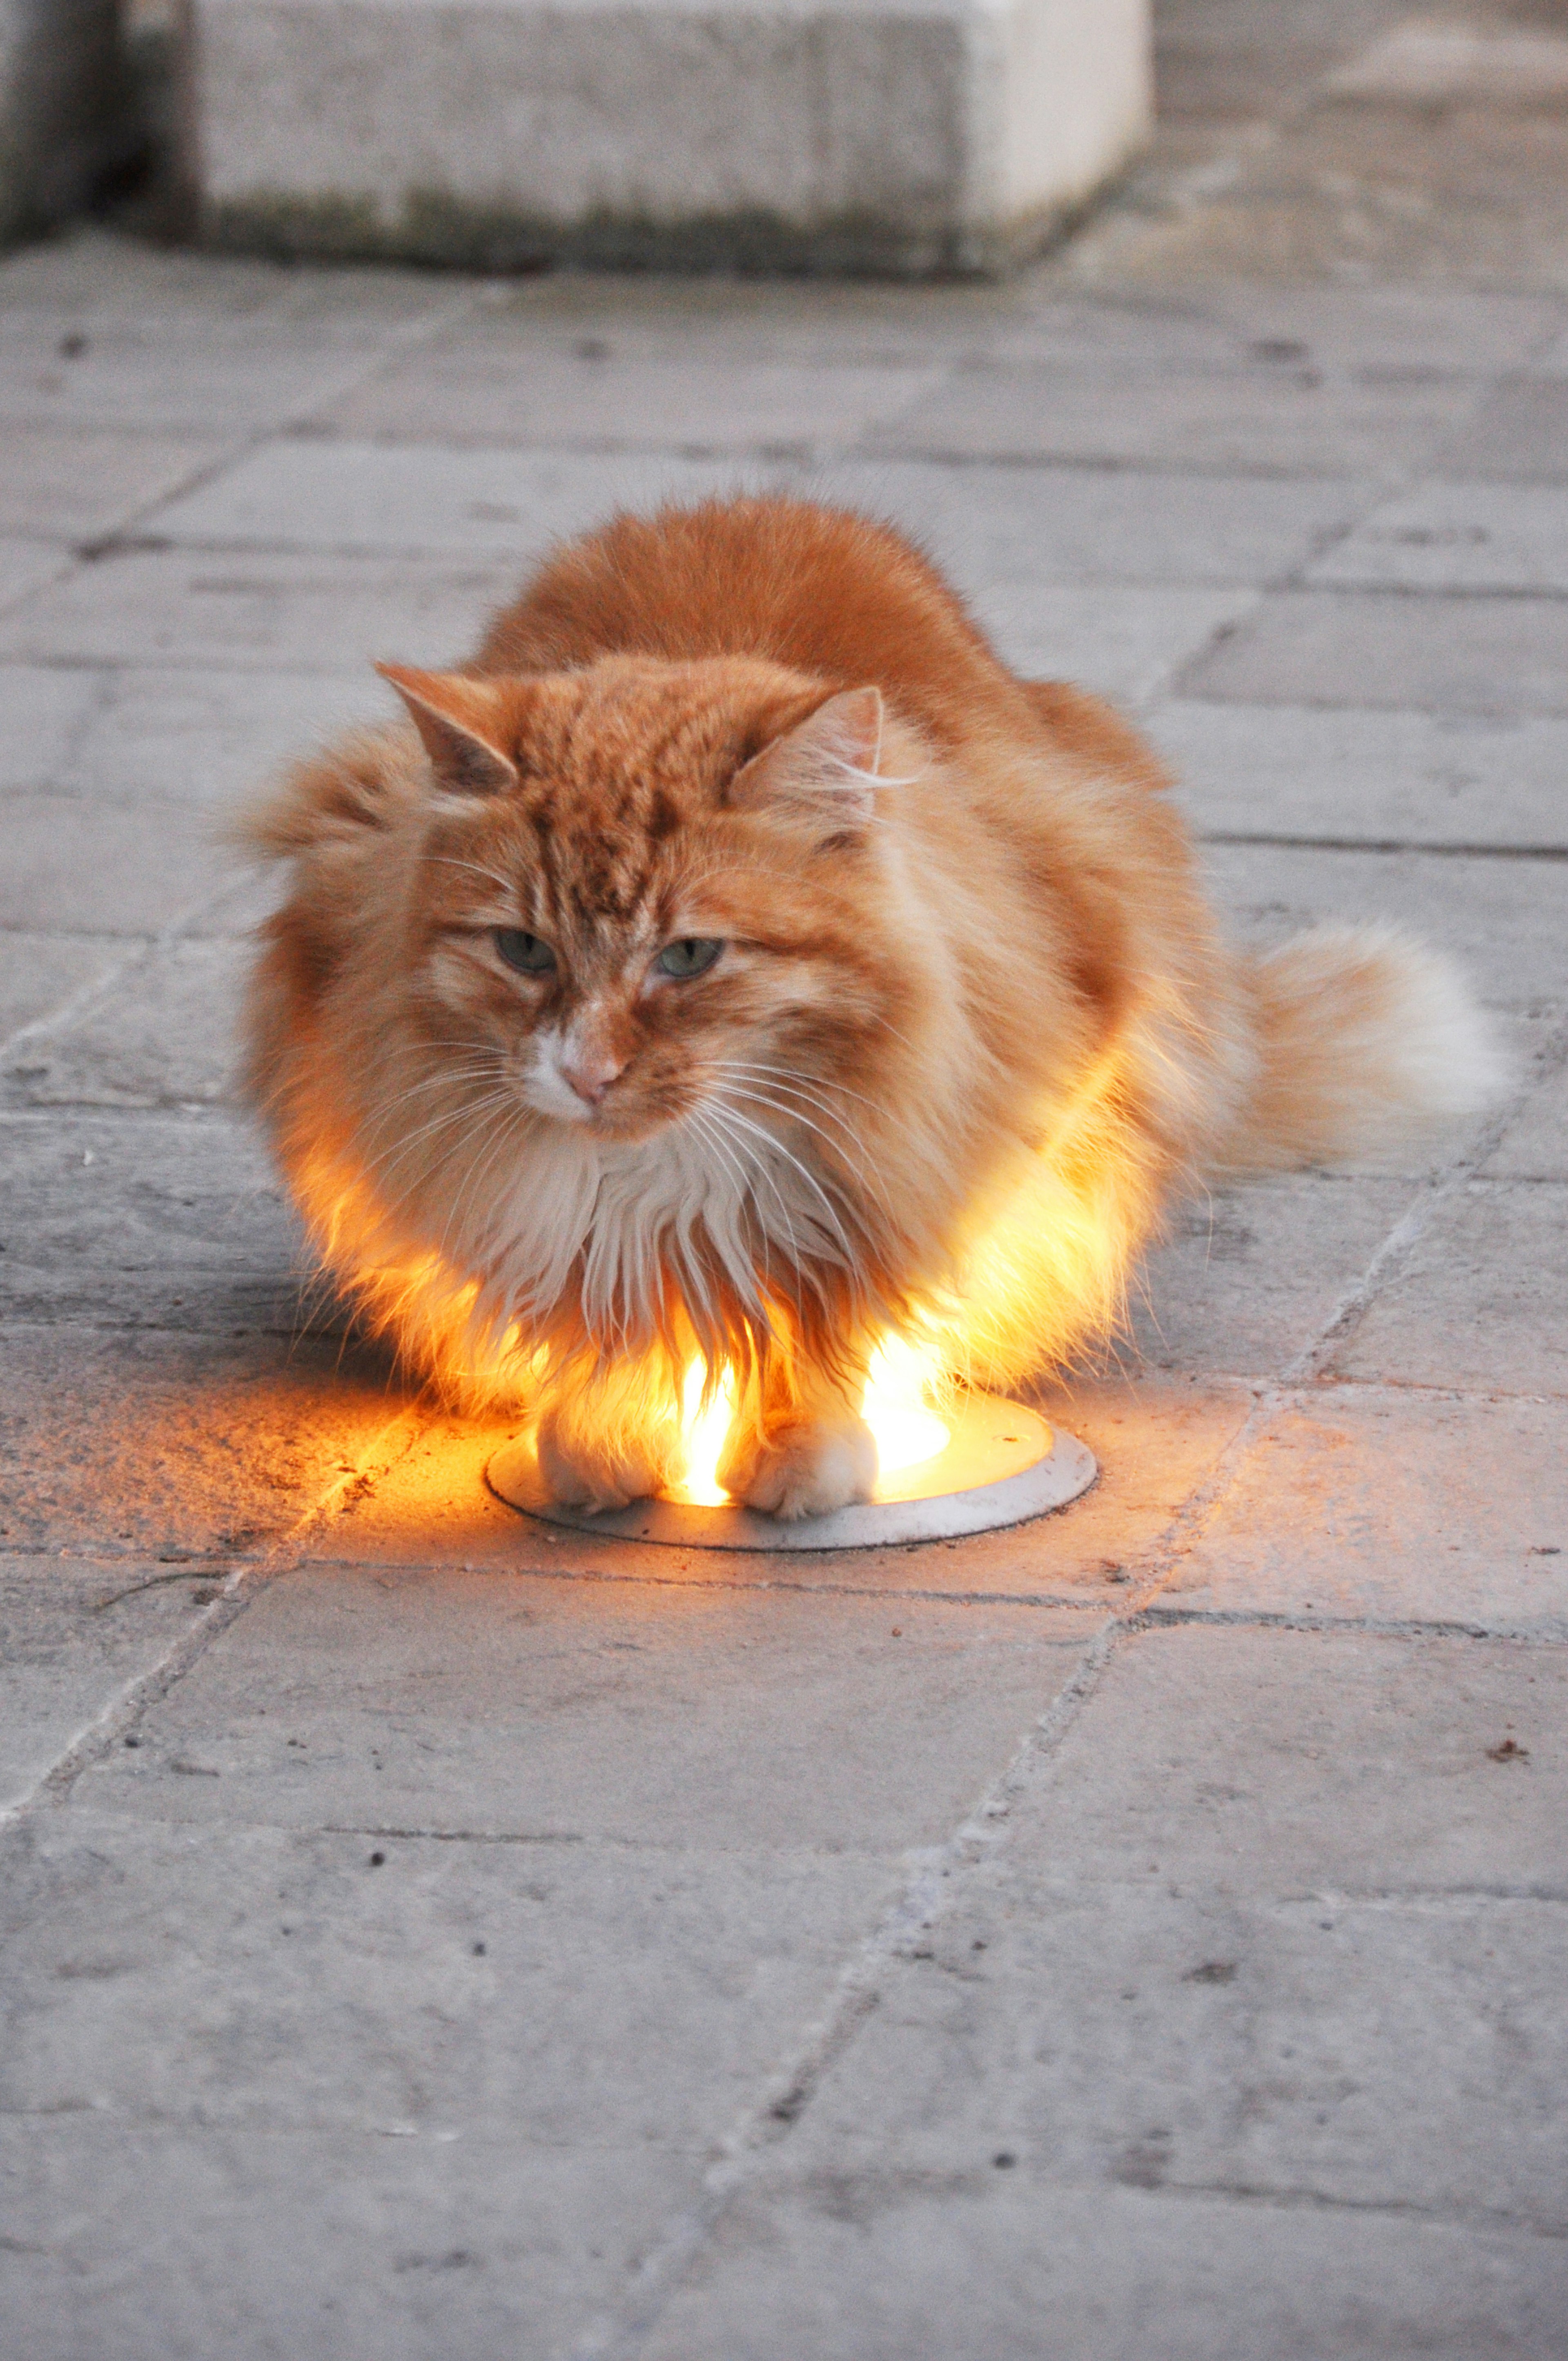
[[973, 1024], [896, 1405]]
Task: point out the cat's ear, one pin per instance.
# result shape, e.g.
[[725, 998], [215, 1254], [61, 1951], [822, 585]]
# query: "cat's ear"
[[460, 723], [824, 770]]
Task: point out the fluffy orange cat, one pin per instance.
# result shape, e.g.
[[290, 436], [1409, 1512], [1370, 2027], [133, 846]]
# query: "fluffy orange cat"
[[736, 961]]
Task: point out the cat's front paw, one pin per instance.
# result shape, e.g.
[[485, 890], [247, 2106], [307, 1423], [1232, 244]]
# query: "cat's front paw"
[[599, 1473], [806, 1469]]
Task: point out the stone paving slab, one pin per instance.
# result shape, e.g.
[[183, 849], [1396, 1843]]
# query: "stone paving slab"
[[542, 1968], [1372, 648], [495, 506], [1469, 195], [104, 869], [74, 1633], [987, 522], [1519, 432], [1503, 920], [1479, 1300], [122, 280], [1535, 1146], [526, 1705], [46, 712], [231, 2242], [68, 484], [1244, 1770], [170, 1221], [1245, 1831], [228, 609], [169, 1039], [198, 737], [26, 565], [121, 1440], [853, 2273], [1354, 324], [41, 974], [1248, 1278], [1551, 359], [1396, 1506], [1156, 1445], [1223, 2044], [1278, 416], [1298, 1763], [994, 526], [1059, 314], [1372, 777], [1124, 643], [175, 376], [1455, 536], [510, 391]]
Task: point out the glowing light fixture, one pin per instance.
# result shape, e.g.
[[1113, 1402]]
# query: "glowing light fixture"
[[976, 1463]]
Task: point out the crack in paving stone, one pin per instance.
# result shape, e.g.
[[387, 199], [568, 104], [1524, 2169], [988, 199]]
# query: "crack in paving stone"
[[1387, 844], [119, 1716], [184, 1573], [1552, 1631], [927, 1897], [480, 1836], [1322, 2201], [619, 2334]]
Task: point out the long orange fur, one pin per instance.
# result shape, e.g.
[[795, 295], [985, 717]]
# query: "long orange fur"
[[971, 1024]]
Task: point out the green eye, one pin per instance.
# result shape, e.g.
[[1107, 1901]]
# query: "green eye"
[[528, 953], [690, 956]]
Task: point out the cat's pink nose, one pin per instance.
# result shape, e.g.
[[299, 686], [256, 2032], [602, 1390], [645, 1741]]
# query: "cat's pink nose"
[[590, 1075]]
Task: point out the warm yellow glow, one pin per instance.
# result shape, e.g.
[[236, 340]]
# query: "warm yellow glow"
[[897, 1406], [704, 1432], [1042, 1269]]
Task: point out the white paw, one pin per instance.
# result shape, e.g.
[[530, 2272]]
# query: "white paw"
[[597, 1474], [802, 1471]]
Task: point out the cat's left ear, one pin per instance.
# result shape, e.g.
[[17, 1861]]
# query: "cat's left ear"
[[461, 723], [824, 770]]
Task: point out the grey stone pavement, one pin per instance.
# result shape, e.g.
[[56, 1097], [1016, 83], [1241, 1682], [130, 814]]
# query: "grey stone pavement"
[[1139, 1937]]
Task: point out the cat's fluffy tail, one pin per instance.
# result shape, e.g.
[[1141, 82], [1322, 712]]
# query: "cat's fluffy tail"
[[1363, 1039]]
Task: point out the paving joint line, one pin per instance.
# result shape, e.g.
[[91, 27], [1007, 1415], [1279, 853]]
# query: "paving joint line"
[[1382, 844], [1549, 1632], [1314, 2201], [655, 2279], [233, 449], [1077, 1604], [657, 2276], [244, 1582]]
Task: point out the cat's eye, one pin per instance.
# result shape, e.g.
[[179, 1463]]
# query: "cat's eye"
[[530, 954], [689, 955]]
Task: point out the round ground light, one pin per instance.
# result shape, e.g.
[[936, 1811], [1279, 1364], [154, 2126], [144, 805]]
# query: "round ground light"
[[1002, 1465]]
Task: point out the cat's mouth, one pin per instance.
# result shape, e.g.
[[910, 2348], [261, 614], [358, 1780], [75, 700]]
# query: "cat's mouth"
[[626, 1122], [619, 1107]]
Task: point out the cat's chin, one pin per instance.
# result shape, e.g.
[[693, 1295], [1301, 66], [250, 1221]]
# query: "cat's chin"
[[805, 1469], [608, 1127]]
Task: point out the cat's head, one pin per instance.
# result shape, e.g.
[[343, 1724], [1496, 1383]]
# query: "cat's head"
[[646, 888]]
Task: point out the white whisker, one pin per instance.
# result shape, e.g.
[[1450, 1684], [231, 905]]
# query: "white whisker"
[[381, 1169], [793, 1115], [804, 1171], [445, 860], [743, 1156]]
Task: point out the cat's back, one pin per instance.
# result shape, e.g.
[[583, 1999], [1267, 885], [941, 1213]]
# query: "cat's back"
[[819, 589]]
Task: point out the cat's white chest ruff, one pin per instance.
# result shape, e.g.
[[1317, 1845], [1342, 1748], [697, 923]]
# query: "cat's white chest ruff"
[[618, 1224]]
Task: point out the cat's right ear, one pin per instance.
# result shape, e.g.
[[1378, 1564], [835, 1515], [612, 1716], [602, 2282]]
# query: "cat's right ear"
[[460, 721]]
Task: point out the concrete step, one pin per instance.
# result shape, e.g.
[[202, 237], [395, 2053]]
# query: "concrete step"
[[904, 137]]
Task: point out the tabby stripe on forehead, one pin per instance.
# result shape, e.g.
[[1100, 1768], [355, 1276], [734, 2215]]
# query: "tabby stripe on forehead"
[[544, 842], [664, 816]]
